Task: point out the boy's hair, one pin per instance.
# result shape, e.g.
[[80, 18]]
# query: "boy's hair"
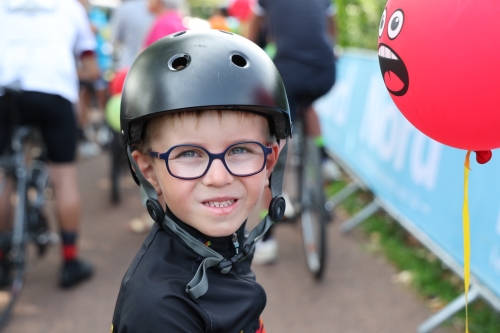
[[153, 127]]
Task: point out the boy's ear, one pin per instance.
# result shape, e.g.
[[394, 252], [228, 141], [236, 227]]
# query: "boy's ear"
[[272, 159], [145, 164]]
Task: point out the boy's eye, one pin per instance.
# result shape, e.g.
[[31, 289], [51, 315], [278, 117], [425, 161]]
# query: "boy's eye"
[[186, 152], [239, 150], [189, 153]]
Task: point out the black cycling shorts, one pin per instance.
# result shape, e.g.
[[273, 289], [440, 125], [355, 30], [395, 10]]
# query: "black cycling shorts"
[[52, 114], [302, 93]]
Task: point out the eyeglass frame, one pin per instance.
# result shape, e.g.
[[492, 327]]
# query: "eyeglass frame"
[[211, 157]]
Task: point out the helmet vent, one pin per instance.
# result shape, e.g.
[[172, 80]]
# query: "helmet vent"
[[226, 32], [179, 62], [238, 60], [179, 33]]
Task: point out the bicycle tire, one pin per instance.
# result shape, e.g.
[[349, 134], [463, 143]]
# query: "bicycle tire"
[[13, 264], [313, 215]]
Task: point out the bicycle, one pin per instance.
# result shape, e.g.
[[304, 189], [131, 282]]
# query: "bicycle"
[[23, 181], [309, 203]]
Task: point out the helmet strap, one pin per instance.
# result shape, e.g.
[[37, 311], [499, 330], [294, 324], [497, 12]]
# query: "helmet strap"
[[277, 206], [198, 286]]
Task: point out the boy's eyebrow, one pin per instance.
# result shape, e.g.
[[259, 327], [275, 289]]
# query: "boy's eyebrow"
[[203, 144], [228, 141]]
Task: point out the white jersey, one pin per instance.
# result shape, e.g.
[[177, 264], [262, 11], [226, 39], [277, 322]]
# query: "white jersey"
[[39, 41]]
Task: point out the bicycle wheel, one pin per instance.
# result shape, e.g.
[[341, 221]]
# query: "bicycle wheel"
[[313, 216], [13, 244]]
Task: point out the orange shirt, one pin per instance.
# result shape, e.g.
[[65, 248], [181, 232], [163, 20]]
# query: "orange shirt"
[[218, 22]]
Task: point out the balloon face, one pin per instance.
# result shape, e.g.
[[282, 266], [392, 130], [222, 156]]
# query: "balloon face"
[[440, 63], [393, 67]]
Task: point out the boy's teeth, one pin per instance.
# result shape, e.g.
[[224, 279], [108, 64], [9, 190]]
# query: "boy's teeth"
[[219, 204]]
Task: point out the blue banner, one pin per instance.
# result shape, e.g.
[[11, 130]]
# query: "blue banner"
[[422, 178]]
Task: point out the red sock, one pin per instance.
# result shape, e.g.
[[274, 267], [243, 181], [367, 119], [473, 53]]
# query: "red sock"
[[69, 249]]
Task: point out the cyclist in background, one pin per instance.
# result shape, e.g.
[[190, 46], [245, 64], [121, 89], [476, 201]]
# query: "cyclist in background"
[[39, 42], [304, 33], [130, 23]]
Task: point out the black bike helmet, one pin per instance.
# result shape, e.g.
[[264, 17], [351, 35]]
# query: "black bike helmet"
[[194, 70], [197, 70]]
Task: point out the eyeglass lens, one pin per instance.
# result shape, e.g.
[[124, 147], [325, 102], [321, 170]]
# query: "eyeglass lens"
[[241, 159]]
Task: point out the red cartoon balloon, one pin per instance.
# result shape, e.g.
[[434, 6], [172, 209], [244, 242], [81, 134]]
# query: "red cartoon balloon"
[[440, 61]]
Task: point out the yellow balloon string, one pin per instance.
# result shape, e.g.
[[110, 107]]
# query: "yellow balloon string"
[[466, 227]]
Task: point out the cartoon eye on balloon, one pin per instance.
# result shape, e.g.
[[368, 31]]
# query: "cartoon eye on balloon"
[[395, 24], [382, 23]]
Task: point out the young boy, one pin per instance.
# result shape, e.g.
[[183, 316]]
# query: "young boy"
[[202, 113]]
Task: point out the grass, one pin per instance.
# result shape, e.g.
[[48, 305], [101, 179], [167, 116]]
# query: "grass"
[[418, 267]]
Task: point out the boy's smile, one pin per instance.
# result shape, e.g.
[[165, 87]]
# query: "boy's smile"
[[217, 203]]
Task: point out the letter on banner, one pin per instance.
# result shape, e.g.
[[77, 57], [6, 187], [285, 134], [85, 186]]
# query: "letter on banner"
[[388, 133], [424, 169]]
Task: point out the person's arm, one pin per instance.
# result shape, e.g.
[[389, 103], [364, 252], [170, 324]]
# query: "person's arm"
[[256, 20], [254, 28], [331, 22], [89, 69], [332, 27], [85, 45]]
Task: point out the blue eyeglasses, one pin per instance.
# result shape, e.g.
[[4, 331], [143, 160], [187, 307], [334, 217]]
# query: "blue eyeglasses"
[[189, 162]]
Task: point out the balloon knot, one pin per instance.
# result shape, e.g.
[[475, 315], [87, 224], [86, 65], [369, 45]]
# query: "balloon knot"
[[483, 156]]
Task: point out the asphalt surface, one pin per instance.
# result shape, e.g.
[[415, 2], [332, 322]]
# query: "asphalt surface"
[[357, 294]]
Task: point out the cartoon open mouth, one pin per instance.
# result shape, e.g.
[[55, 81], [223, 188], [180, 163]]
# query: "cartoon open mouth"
[[393, 70]]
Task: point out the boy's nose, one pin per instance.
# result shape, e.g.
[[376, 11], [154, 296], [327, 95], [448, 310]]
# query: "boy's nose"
[[217, 175]]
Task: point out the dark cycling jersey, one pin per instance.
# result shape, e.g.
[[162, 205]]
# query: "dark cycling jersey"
[[153, 299], [304, 51]]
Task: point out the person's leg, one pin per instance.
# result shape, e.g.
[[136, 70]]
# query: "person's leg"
[[313, 127], [6, 208], [59, 130], [64, 180], [86, 147], [84, 104], [331, 171], [6, 186]]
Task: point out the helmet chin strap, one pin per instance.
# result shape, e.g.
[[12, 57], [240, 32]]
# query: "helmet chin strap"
[[198, 286]]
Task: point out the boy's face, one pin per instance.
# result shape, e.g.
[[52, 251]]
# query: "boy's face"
[[194, 201]]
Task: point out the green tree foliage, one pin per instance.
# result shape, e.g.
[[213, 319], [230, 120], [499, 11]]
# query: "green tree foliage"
[[358, 22], [204, 8]]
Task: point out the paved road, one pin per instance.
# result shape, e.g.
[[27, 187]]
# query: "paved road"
[[356, 296]]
